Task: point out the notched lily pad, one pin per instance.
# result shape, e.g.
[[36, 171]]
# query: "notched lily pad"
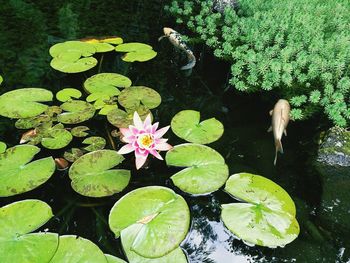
[[92, 175], [206, 170], [80, 131], [17, 221], [18, 174], [76, 111], [77, 249], [136, 52], [73, 155], [159, 220], [136, 96], [24, 103], [68, 94], [186, 125], [56, 137], [267, 218], [107, 83], [73, 66], [122, 119], [95, 143], [83, 49]]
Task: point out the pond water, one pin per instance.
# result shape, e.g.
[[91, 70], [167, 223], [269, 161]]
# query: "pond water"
[[245, 145]]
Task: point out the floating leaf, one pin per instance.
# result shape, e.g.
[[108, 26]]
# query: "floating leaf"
[[98, 96], [75, 66], [107, 108], [56, 137], [1, 79], [107, 83], [128, 236], [17, 220], [76, 111], [77, 249], [3, 147], [83, 49], [136, 52], [53, 111], [162, 216], [186, 125], [18, 174], [103, 47], [79, 131], [73, 155], [68, 94], [112, 40], [92, 175], [33, 122], [206, 170], [24, 103], [122, 119], [95, 143], [113, 259], [267, 218], [136, 96]]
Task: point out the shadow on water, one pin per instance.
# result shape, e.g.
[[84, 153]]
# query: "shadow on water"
[[246, 146]]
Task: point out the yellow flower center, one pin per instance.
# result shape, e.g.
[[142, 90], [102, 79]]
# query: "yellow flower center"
[[146, 140]]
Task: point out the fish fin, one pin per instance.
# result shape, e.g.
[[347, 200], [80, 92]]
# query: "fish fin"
[[285, 132], [279, 148], [190, 64], [160, 38], [269, 129], [271, 112]]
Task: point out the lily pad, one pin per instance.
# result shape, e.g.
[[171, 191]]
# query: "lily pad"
[[24, 103], [56, 137], [33, 122], [107, 83], [82, 48], [76, 111], [107, 108], [136, 52], [267, 218], [3, 147], [77, 249], [136, 96], [80, 131], [18, 174], [68, 94], [73, 155], [186, 125], [113, 259], [1, 79], [128, 236], [112, 40], [206, 170], [92, 175], [160, 217], [73, 66], [17, 220], [122, 119], [95, 143], [103, 47]]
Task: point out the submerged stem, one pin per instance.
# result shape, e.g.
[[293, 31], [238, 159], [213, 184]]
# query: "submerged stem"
[[100, 66], [110, 139]]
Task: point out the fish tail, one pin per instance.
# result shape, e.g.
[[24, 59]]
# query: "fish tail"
[[191, 63], [279, 148]]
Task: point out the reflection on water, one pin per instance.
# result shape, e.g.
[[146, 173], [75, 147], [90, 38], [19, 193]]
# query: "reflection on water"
[[246, 145]]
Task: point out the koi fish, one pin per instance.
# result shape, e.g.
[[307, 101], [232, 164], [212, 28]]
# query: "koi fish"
[[176, 39], [280, 119]]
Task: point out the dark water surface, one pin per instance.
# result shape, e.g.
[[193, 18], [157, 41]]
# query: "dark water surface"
[[245, 145]]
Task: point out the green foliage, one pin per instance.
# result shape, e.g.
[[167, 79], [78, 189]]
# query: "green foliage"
[[299, 49]]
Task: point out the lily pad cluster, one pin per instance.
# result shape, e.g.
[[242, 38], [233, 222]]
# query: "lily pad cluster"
[[152, 222], [18, 220], [136, 52], [267, 216]]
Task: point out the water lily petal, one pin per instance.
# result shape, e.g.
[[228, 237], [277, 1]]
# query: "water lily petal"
[[126, 132], [156, 154], [163, 147], [137, 121], [126, 149], [154, 127], [148, 121], [129, 139], [134, 130], [158, 134]]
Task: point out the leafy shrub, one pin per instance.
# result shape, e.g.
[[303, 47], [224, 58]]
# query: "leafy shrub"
[[301, 49]]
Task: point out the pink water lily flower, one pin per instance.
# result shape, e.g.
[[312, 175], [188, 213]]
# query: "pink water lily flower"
[[143, 138]]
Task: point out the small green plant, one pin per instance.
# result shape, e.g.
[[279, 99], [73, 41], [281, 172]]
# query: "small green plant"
[[298, 49]]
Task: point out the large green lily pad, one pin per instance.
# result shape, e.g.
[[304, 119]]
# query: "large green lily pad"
[[92, 175], [162, 214], [18, 174], [107, 83], [267, 218], [77, 249], [133, 97], [128, 236], [17, 220], [56, 137], [136, 52], [82, 48], [76, 111], [113, 259], [24, 103], [68, 94], [206, 170], [122, 119], [186, 125], [73, 66]]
